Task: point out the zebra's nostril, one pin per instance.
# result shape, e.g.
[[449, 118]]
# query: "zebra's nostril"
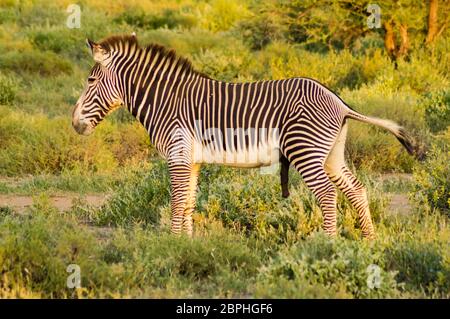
[[80, 127]]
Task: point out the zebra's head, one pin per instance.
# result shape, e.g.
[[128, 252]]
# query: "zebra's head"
[[102, 92]]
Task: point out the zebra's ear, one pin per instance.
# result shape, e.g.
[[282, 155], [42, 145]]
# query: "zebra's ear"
[[97, 51]]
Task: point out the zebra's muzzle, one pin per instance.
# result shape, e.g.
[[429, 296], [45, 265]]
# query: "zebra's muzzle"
[[81, 125], [82, 128]]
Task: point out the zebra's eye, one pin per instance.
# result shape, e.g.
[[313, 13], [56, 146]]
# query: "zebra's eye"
[[91, 80]]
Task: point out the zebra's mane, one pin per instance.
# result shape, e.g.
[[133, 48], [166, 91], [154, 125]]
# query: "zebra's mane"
[[125, 42]]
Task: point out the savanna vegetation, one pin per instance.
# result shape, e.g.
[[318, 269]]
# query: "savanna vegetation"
[[249, 241]]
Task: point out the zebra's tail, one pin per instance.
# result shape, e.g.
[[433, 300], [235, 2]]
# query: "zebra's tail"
[[399, 132]]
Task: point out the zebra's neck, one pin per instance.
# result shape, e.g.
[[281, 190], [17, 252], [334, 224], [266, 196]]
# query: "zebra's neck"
[[157, 84]]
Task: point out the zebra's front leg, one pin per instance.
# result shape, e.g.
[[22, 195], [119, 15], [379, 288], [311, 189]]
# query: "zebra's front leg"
[[183, 179], [191, 200]]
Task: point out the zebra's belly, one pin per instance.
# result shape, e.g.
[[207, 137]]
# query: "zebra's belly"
[[265, 154]]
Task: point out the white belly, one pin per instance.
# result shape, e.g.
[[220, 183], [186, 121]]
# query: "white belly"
[[264, 154]]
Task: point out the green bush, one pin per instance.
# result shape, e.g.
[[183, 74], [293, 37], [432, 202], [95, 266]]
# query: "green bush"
[[280, 60], [262, 28], [250, 203], [222, 15], [8, 89], [420, 266], [223, 64], [165, 19], [437, 110], [328, 268], [37, 144], [140, 201], [432, 179], [37, 247], [60, 40], [40, 13], [35, 63]]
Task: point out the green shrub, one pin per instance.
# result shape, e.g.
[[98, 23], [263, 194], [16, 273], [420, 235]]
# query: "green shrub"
[[140, 201], [37, 247], [223, 64], [262, 28], [60, 40], [437, 110], [165, 19], [36, 250], [5, 211], [432, 179], [221, 265], [8, 89], [326, 267], [37, 144], [222, 15], [420, 266], [35, 63], [40, 13], [280, 60], [251, 203], [423, 73]]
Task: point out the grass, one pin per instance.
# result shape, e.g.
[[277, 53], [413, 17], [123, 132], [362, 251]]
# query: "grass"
[[71, 181], [220, 261]]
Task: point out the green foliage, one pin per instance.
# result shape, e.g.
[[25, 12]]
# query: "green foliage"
[[60, 40], [5, 211], [8, 90], [432, 179], [437, 111], [343, 70], [35, 62], [165, 19], [30, 145], [36, 247], [262, 29], [225, 64], [250, 203], [221, 15], [326, 268], [139, 202], [420, 266]]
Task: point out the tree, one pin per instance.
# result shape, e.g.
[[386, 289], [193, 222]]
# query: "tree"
[[434, 31]]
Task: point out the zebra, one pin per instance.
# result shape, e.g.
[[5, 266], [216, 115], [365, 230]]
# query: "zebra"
[[176, 103]]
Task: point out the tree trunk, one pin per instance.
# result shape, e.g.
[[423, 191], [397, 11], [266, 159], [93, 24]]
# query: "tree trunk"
[[389, 39], [432, 22], [404, 44]]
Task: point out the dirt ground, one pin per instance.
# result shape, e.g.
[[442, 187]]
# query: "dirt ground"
[[62, 202], [399, 201], [399, 204]]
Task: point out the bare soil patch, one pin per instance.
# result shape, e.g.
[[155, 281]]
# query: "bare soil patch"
[[62, 202], [399, 204]]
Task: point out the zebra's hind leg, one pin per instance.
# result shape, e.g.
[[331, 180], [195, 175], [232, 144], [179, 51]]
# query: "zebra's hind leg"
[[183, 179], [352, 188], [284, 176], [318, 182]]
